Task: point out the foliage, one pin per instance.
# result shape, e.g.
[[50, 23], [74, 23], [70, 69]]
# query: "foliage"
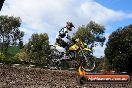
[[37, 48], [2, 57], [7, 60], [22, 56], [9, 32], [119, 49], [102, 64], [91, 34], [13, 50]]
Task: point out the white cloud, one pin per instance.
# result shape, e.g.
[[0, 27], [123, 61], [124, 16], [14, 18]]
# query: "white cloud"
[[50, 15], [27, 33], [129, 15], [99, 13]]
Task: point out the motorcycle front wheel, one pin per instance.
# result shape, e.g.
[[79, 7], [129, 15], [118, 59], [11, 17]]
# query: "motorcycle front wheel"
[[88, 62]]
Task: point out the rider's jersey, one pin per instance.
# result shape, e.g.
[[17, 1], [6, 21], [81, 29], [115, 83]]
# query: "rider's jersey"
[[62, 33]]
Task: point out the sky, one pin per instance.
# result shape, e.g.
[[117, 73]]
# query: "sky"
[[49, 16]]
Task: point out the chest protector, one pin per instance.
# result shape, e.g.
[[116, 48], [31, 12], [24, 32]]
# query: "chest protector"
[[62, 33]]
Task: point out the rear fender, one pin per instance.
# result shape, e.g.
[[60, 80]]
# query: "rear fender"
[[73, 47], [86, 49]]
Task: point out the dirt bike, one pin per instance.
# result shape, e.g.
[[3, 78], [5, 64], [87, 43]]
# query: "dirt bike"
[[77, 53]]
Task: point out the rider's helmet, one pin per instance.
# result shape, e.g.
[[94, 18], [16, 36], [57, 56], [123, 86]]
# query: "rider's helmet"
[[69, 25]]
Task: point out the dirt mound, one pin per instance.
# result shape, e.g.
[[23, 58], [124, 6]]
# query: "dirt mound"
[[22, 77]]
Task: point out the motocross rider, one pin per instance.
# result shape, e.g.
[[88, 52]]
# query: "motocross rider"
[[64, 33]]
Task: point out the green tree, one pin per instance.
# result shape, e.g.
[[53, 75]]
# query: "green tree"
[[9, 32], [37, 48], [119, 49], [91, 34]]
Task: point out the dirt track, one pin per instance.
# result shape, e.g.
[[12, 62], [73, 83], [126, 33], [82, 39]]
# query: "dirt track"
[[21, 77]]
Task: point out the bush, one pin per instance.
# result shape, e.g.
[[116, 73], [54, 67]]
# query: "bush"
[[22, 57], [2, 57]]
